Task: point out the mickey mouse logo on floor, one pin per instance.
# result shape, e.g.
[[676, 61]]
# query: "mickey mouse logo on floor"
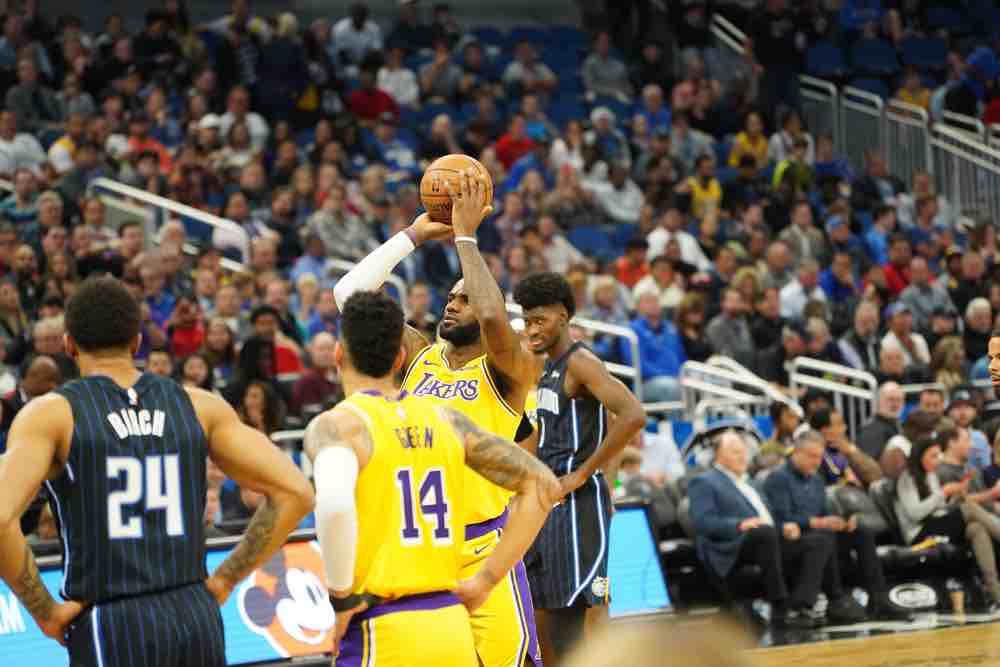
[[286, 602]]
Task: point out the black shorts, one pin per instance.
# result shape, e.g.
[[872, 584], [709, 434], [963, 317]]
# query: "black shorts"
[[182, 626], [568, 563]]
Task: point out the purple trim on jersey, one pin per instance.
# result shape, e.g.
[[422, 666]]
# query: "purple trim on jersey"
[[528, 613], [352, 647], [476, 530], [422, 602], [375, 392]]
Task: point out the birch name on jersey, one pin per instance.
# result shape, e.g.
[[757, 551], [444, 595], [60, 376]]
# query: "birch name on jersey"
[[429, 385], [128, 422]]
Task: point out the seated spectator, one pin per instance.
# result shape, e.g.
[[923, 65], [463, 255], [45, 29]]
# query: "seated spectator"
[[260, 408], [265, 321], [357, 34], [803, 238], [794, 175], [734, 526], [603, 74], [319, 387], [343, 233], [418, 303], [219, 351], [978, 78], [971, 283], [39, 374], [900, 335], [883, 228], [948, 364], [664, 281], [771, 362], [924, 509], [671, 227], [913, 91], [875, 435], [794, 296], [694, 82], [843, 461], [786, 420], [18, 149], [194, 371], [632, 267], [923, 187], [606, 303], [618, 196], [398, 81], [703, 188], [185, 328], [687, 143], [978, 325], [528, 74], [923, 297], [689, 320], [729, 333], [516, 143], [368, 102], [440, 79], [956, 444], [750, 142], [767, 322], [37, 108], [661, 352], [796, 493], [478, 73], [21, 207], [963, 410], [917, 425], [782, 142], [160, 362], [877, 186], [943, 325]]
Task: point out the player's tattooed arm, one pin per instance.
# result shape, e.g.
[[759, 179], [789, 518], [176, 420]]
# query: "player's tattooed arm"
[[256, 540], [502, 462], [340, 427], [31, 591]]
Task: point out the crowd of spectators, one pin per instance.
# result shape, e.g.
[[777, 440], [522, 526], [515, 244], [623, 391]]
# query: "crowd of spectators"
[[681, 199]]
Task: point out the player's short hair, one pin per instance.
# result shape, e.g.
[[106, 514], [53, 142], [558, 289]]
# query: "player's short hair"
[[102, 315], [545, 289], [371, 327]]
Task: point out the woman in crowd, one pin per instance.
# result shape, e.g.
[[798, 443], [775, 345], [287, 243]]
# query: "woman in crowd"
[[689, 318], [219, 351], [261, 408], [195, 371]]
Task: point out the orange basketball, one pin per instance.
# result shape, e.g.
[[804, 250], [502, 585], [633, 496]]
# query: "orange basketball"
[[433, 194]]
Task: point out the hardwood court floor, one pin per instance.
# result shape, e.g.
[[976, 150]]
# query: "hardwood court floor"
[[961, 646]]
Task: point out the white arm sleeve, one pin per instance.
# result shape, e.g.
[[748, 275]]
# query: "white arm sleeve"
[[373, 270], [335, 472]]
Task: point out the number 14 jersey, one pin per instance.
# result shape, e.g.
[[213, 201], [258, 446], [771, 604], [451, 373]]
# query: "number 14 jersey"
[[409, 498]]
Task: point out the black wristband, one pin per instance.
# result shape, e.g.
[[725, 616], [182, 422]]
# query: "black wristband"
[[353, 600]]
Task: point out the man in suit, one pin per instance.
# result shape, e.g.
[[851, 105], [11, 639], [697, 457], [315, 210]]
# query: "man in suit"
[[734, 527], [796, 493]]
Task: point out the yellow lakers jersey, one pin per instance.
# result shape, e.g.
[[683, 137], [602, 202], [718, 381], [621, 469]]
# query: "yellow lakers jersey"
[[472, 391], [410, 534]]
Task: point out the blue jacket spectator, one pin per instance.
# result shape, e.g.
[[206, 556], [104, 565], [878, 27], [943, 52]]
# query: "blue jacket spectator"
[[661, 350]]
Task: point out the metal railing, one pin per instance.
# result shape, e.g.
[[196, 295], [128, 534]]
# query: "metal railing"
[[854, 392], [968, 124], [820, 103], [967, 172], [718, 385], [860, 111], [907, 138], [993, 135], [154, 210]]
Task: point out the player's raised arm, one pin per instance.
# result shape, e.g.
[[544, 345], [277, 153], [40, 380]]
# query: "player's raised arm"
[[503, 344], [589, 373], [248, 457], [507, 465], [372, 271], [33, 455], [339, 445]]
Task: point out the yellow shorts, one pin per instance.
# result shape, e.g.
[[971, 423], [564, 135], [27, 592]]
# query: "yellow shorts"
[[430, 630], [504, 627]]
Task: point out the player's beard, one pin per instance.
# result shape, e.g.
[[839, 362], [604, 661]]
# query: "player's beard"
[[462, 334]]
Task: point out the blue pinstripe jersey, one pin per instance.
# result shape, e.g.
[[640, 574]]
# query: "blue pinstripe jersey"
[[570, 429], [130, 502]]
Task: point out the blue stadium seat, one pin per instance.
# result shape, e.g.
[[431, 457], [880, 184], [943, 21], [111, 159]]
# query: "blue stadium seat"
[[722, 149], [529, 33], [565, 110], [875, 86], [925, 52], [489, 35], [946, 18], [564, 36], [726, 174], [623, 233], [570, 84], [591, 240], [826, 59], [875, 57]]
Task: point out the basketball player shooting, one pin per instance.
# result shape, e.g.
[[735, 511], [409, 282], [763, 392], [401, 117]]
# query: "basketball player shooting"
[[568, 564], [390, 469], [481, 369], [123, 456]]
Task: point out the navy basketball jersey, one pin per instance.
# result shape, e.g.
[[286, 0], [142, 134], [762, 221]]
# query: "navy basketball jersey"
[[570, 429], [131, 499]]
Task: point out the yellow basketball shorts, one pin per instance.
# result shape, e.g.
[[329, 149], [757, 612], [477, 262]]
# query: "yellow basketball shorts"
[[429, 630], [504, 627]]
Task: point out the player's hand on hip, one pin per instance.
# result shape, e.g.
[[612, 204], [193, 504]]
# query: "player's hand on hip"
[[219, 589], [57, 625], [473, 592], [340, 628], [424, 229], [468, 208]]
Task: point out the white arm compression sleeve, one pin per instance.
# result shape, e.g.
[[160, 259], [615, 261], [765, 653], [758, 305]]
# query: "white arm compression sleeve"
[[335, 472], [373, 270]]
